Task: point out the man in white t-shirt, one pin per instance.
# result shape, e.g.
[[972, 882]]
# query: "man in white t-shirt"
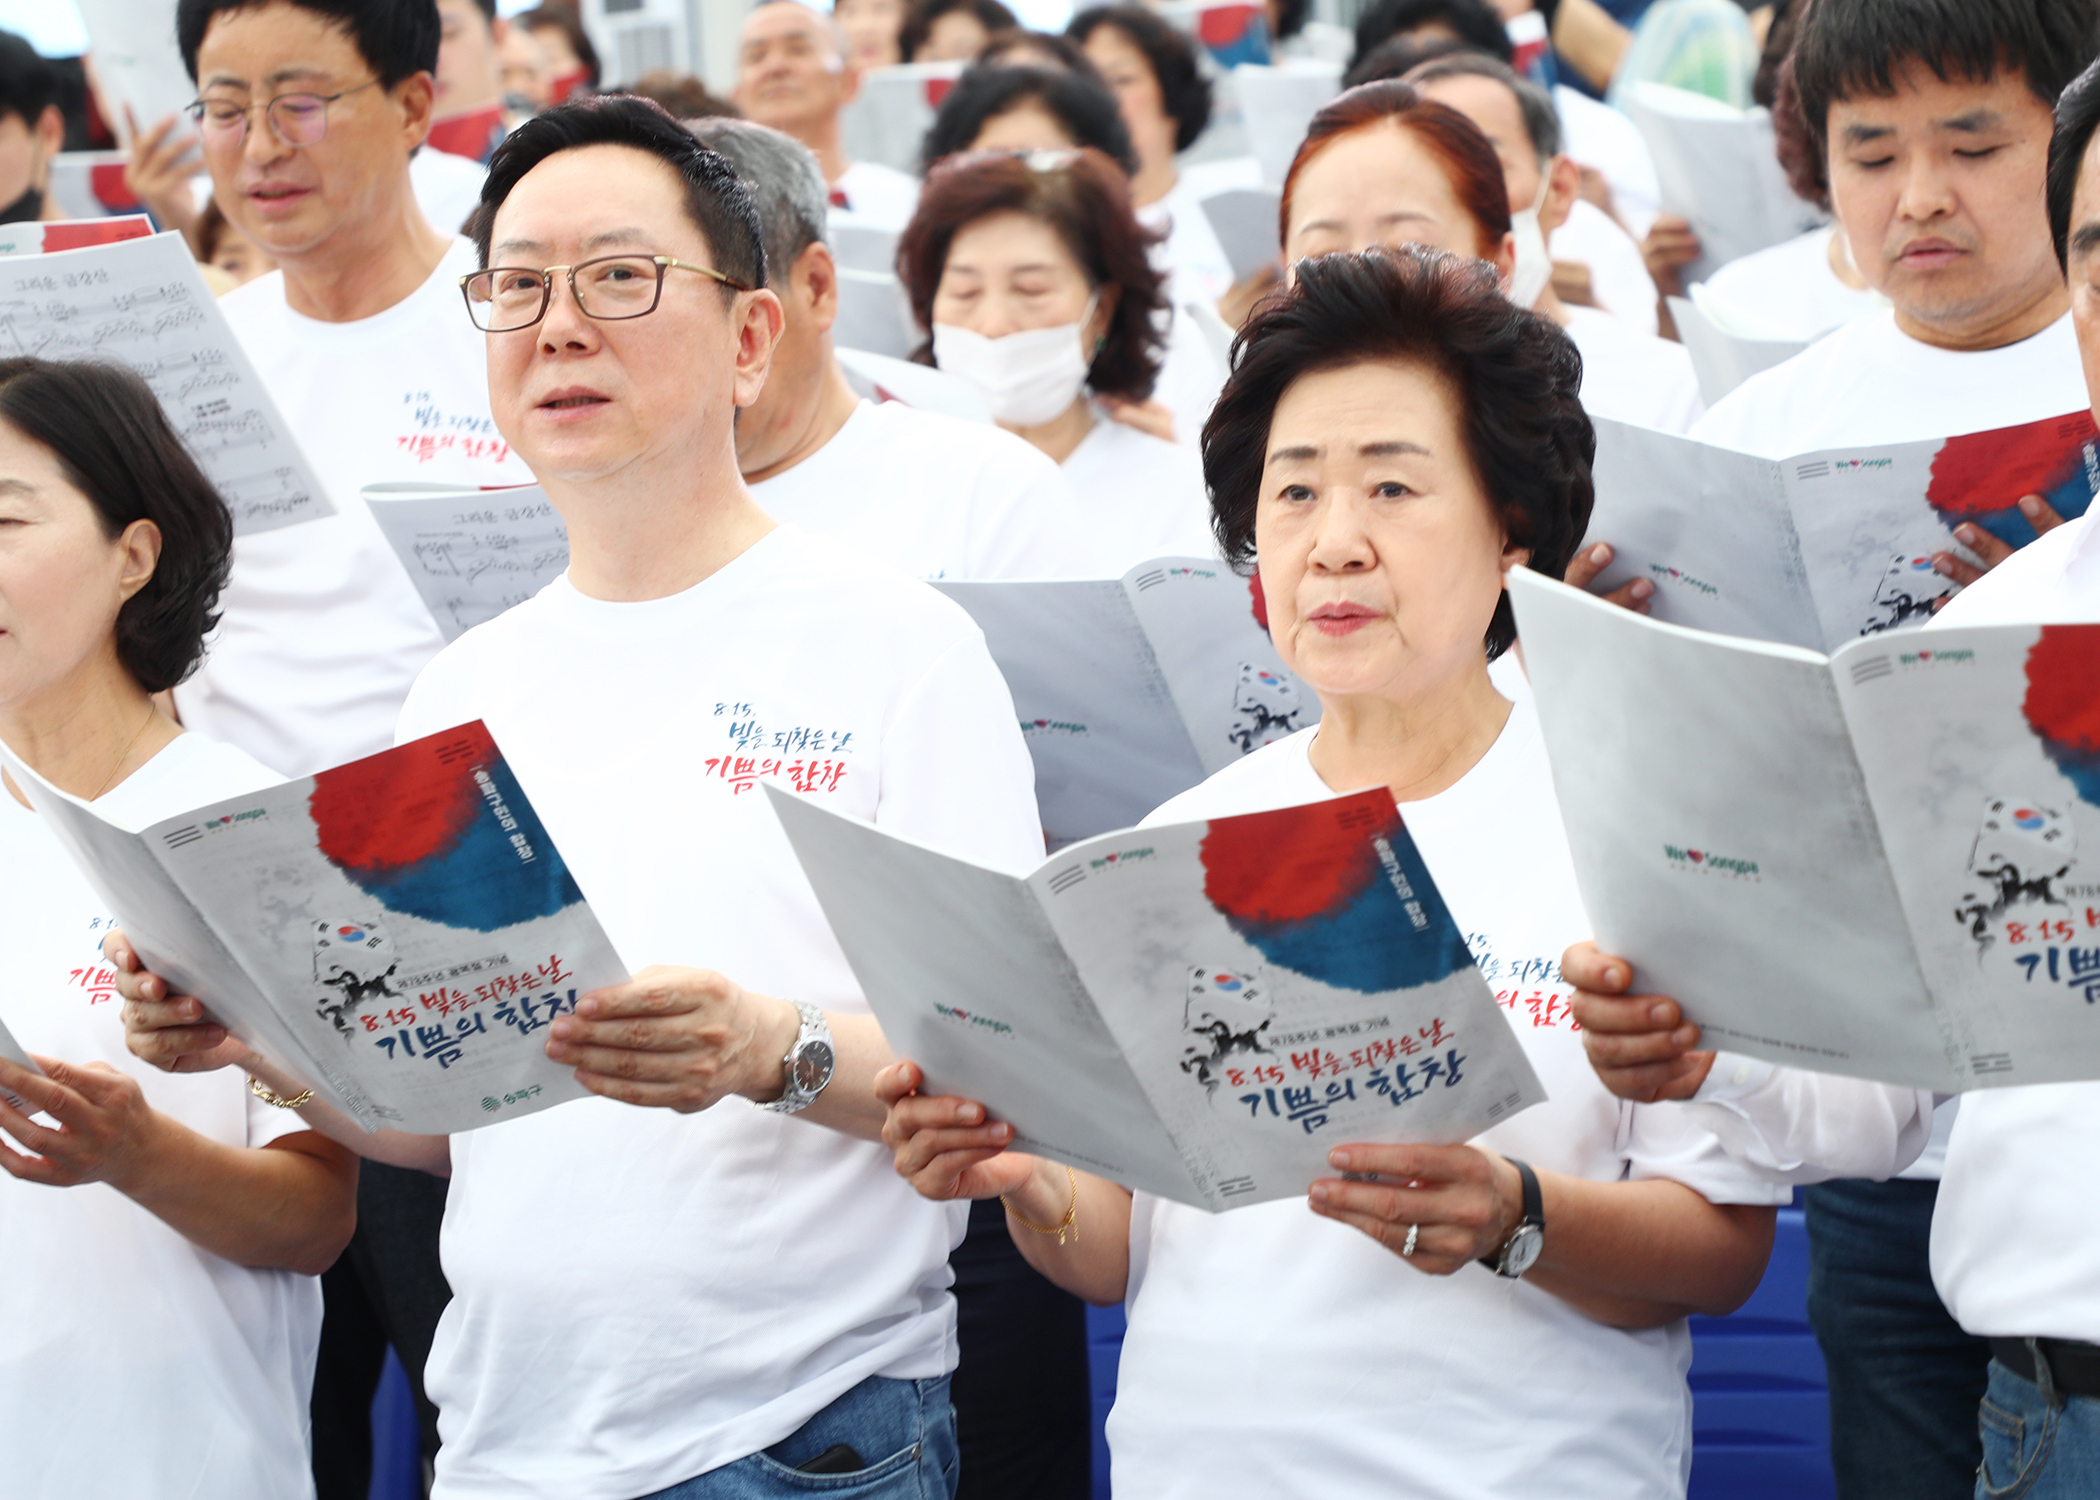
[[934, 495], [361, 339], [704, 1297], [794, 74], [2012, 1231], [1628, 375]]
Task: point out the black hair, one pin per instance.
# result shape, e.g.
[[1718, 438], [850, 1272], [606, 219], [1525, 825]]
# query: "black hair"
[[1516, 377], [29, 85], [1398, 56], [1852, 47], [2077, 117], [919, 19], [397, 38], [564, 20], [1013, 49], [114, 443], [1081, 104], [1475, 22], [1183, 89], [1291, 16], [715, 199], [1534, 104]]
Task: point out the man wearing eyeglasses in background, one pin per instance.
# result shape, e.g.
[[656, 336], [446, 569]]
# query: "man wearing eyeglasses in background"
[[307, 114]]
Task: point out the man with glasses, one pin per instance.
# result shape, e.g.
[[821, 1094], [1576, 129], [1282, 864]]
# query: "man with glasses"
[[700, 1298], [307, 114]]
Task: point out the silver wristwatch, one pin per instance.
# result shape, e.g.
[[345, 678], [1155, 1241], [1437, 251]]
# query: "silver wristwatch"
[[809, 1063]]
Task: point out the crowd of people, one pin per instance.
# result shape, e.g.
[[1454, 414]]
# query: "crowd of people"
[[721, 1277]]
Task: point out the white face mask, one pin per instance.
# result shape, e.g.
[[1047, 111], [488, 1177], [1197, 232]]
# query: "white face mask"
[[1027, 378], [1534, 267]]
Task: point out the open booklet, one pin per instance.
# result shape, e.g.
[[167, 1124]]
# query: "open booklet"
[[1868, 863], [142, 303], [1133, 689], [1822, 548], [12, 1051], [471, 553], [1200, 1010], [1723, 356], [397, 931]]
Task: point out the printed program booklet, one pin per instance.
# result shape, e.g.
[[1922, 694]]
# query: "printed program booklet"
[[1884, 863], [1131, 690], [398, 932], [1823, 548], [1201, 1010], [471, 553]]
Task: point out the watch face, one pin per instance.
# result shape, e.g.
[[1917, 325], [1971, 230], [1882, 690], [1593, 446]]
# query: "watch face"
[[813, 1064], [1522, 1251]]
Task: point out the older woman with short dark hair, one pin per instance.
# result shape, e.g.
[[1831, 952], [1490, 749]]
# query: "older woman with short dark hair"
[[162, 1235], [1502, 1318], [1033, 275]]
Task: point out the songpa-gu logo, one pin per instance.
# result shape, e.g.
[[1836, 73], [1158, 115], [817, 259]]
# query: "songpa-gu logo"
[[1705, 861], [233, 820]]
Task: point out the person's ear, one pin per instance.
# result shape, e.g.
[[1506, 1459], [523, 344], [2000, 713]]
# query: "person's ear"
[[1514, 556], [50, 132], [1563, 185], [757, 336], [1107, 297], [139, 550], [416, 97], [1504, 258], [814, 280]]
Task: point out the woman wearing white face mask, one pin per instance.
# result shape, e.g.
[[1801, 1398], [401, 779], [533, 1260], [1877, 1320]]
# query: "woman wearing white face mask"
[[1381, 165], [1032, 273]]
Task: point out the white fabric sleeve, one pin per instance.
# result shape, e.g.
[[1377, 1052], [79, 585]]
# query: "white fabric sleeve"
[[1021, 508], [955, 771], [1797, 1127], [1667, 1142]]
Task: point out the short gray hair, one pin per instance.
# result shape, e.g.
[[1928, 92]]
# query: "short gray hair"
[[785, 182], [1541, 119]]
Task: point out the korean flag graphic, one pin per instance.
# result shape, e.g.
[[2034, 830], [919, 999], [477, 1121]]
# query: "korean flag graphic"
[[353, 961], [2024, 836], [1222, 997], [1266, 707]]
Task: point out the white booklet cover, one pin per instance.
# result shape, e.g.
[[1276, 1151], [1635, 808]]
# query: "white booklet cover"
[[142, 303], [1823, 548], [12, 1051], [1131, 690], [471, 553], [1200, 1010], [398, 931], [1884, 863]]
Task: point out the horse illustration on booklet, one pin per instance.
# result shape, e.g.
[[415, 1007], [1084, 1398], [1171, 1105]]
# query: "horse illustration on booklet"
[[1266, 707], [1226, 1012], [1910, 590], [347, 972]]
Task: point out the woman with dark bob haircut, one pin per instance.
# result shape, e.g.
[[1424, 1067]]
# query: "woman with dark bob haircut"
[[1491, 1320], [1008, 106], [1034, 278], [163, 1235]]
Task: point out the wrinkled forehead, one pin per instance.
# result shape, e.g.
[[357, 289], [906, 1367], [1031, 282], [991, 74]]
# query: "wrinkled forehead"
[[599, 199]]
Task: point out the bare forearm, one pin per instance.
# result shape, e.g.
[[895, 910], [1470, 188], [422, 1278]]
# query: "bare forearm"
[[1643, 1254], [392, 1148], [286, 1207], [1092, 1259], [1585, 34], [848, 1103]]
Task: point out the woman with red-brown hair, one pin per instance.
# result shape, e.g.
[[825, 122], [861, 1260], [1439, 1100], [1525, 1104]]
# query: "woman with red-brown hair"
[[1034, 275], [1382, 165]]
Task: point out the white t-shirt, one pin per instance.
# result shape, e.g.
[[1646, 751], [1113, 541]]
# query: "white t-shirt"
[[1618, 275], [640, 1296], [447, 187], [1271, 1352], [1629, 376], [1133, 498], [1596, 135], [935, 496], [875, 195], [1791, 288], [1190, 377], [1869, 382], [133, 1362], [1193, 259], [323, 632], [2013, 1232]]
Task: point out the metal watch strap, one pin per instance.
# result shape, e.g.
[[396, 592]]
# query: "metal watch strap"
[[794, 1096], [1534, 1219]]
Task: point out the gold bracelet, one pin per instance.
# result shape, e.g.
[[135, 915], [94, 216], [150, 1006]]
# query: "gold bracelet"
[[1070, 1224], [261, 1091]]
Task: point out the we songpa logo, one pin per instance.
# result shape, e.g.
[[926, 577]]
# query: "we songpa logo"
[[1119, 859], [1682, 579], [1705, 861], [1051, 726], [1934, 658], [971, 1018], [1860, 465], [233, 820]]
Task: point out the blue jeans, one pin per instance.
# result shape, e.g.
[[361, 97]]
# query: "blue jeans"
[[904, 1431], [1904, 1378], [2036, 1448]]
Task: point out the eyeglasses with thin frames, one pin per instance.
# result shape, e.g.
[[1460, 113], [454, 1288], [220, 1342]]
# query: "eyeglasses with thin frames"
[[506, 299], [298, 119]]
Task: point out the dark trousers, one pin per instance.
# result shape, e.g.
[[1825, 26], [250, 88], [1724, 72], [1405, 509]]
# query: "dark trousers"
[[387, 1288], [1905, 1381], [1023, 1410]]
